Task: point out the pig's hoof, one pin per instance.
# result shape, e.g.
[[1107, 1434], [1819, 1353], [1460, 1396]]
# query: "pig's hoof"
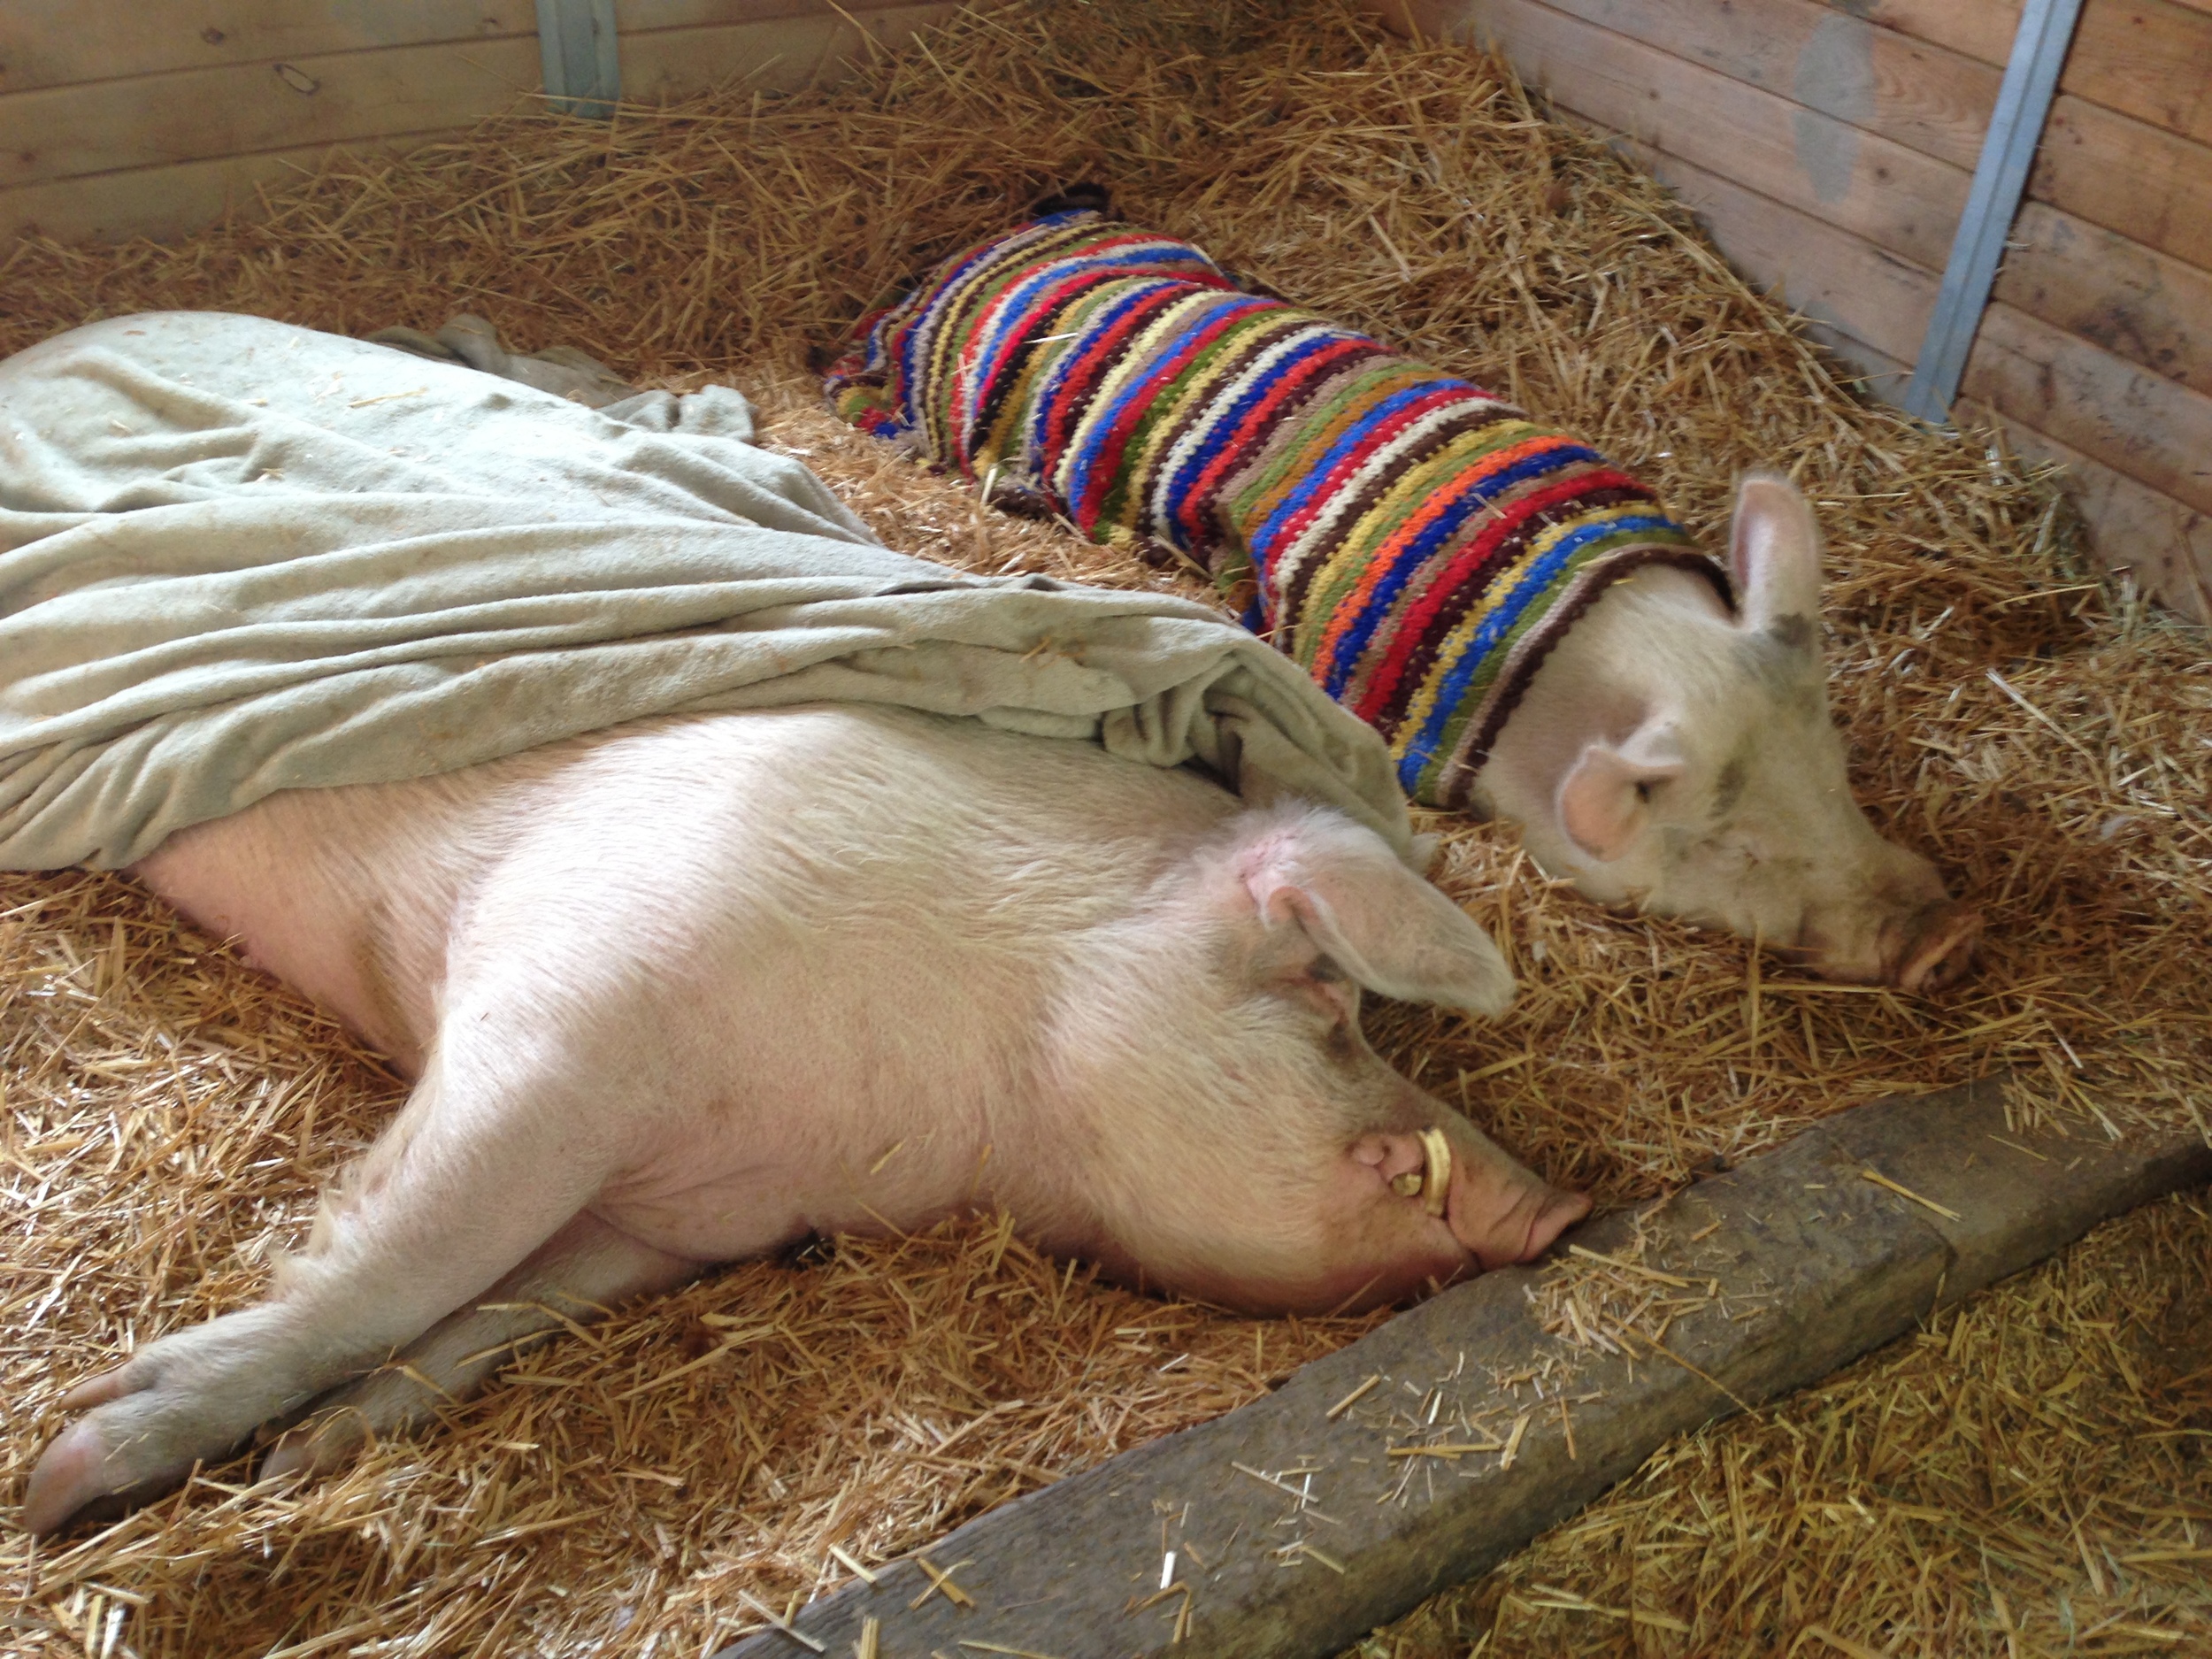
[[70, 1474], [74, 1483], [1941, 949]]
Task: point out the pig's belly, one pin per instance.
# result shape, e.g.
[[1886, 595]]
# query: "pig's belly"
[[712, 1196]]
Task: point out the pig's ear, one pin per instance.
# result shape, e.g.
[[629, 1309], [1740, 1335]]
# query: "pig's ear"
[[1774, 556], [1605, 799], [1387, 928]]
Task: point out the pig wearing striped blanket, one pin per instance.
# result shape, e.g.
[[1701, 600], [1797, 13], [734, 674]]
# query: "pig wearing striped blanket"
[[1532, 634]]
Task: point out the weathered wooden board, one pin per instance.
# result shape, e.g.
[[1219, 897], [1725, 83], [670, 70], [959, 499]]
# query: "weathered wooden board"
[[1894, 197], [2148, 59], [1294, 1531], [169, 202], [2134, 421], [2140, 304], [443, 89], [202, 114], [633, 17], [2101, 345], [2128, 176], [2167, 547], [1828, 274], [1819, 141], [1925, 97], [65, 43], [62, 42]]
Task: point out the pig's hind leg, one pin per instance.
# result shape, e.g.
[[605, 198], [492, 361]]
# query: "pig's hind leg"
[[480, 1168], [575, 1278]]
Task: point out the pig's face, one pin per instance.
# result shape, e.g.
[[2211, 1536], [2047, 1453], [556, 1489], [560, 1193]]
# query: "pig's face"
[[1683, 760], [1245, 1144]]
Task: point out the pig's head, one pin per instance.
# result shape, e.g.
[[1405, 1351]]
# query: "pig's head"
[[1240, 1142], [1674, 756]]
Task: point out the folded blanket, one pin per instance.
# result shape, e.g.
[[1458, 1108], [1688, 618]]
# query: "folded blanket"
[[1417, 543], [238, 556]]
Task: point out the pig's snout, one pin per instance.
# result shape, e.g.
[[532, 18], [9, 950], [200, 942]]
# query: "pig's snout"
[[1502, 1214], [1899, 927], [1932, 948]]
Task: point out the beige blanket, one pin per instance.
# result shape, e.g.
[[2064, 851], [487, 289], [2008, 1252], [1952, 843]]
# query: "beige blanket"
[[238, 556]]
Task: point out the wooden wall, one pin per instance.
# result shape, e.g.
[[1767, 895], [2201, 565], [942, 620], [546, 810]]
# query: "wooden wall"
[[125, 117], [1828, 146]]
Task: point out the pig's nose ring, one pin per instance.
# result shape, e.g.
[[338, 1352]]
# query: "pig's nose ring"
[[1433, 1184]]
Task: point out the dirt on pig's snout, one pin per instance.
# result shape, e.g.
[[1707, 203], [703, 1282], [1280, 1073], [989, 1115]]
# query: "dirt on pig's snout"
[[912, 966]]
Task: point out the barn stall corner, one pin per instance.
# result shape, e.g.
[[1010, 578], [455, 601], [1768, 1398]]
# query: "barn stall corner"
[[2024, 1472]]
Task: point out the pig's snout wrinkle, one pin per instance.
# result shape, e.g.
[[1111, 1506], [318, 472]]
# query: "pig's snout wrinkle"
[[1506, 1216], [1532, 1226]]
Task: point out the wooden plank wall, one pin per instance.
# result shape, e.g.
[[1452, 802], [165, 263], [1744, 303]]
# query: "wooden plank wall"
[[1828, 146], [147, 118]]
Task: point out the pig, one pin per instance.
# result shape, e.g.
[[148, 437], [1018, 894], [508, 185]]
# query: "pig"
[[1678, 757], [1533, 636], [694, 988]]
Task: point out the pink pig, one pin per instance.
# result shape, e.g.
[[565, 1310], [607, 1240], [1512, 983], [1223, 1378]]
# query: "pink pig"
[[690, 990]]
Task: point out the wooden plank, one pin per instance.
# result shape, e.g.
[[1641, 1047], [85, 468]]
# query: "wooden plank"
[[1925, 96], [2136, 422], [69, 132], [2146, 306], [1826, 273], [2145, 182], [778, 55], [63, 42], [2148, 59], [1981, 29], [1894, 197], [1297, 1530], [2165, 546], [166, 202]]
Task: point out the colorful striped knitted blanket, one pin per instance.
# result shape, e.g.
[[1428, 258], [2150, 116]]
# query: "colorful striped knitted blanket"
[[1416, 544]]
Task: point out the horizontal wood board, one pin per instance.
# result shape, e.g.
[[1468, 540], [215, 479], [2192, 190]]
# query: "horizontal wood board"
[[65, 43], [288, 75], [224, 132], [2148, 59]]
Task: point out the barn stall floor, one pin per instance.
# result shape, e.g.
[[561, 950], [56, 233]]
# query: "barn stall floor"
[[168, 1115]]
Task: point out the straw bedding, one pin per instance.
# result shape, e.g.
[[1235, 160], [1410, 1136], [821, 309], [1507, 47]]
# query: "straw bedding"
[[165, 1115]]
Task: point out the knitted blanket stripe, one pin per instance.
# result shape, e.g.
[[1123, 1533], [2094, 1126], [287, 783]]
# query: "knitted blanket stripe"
[[1416, 544]]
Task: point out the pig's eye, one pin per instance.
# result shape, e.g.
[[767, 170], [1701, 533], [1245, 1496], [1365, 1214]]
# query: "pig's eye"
[[1645, 789], [1325, 970]]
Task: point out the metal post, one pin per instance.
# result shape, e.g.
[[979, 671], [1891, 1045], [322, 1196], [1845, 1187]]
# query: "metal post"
[[2038, 52], [576, 44]]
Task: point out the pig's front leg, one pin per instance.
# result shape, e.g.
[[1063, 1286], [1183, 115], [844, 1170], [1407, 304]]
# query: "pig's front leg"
[[575, 1278], [480, 1168]]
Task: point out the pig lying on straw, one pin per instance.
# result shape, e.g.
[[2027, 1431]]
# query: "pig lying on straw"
[[720, 877], [1422, 548]]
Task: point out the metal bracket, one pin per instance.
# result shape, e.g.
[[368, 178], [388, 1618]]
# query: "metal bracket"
[[577, 47], [2016, 127]]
